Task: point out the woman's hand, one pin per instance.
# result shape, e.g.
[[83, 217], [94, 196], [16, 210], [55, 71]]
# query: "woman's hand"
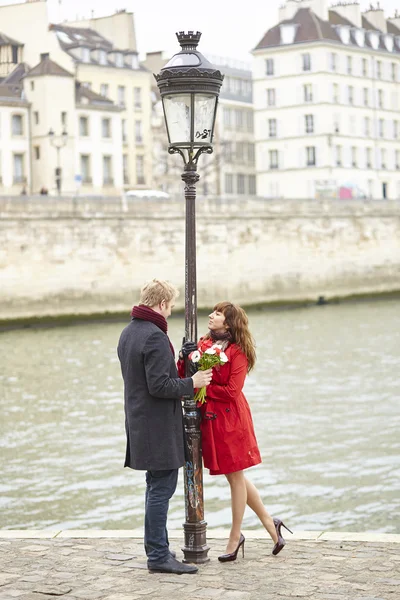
[[187, 348]]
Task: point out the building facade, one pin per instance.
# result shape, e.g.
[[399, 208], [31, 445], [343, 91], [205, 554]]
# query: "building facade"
[[327, 103], [89, 90]]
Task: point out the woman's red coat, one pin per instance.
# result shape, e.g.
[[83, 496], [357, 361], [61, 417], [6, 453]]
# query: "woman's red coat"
[[228, 439]]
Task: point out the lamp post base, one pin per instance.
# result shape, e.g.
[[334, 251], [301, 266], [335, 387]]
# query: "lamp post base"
[[195, 549]]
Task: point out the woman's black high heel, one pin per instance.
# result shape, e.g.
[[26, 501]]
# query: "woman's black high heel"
[[233, 555], [281, 542]]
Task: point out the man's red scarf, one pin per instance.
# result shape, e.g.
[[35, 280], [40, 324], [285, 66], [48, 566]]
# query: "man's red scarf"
[[148, 314]]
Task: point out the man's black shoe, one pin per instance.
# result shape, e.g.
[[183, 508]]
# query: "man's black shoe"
[[171, 565]]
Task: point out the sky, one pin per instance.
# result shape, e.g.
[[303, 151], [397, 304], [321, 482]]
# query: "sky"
[[230, 28]]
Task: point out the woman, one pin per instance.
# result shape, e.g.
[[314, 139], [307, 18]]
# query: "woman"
[[228, 439]]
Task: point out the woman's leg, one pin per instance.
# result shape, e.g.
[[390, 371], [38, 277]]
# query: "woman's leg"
[[237, 483], [255, 503]]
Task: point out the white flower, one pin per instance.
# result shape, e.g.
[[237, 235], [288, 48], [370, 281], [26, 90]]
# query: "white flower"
[[195, 356], [210, 350], [223, 357]]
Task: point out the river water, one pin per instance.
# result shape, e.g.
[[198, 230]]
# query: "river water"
[[325, 398]]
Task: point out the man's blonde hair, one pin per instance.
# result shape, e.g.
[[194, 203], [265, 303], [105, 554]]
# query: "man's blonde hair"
[[155, 291]]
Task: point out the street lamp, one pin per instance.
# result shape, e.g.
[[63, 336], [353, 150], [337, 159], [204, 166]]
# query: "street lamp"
[[189, 86], [63, 139]]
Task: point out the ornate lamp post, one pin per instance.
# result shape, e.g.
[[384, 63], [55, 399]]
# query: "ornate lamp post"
[[189, 86], [63, 142]]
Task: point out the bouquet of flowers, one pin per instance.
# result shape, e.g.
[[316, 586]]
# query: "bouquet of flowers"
[[210, 358]]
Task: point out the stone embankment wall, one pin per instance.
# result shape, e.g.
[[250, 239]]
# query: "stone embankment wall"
[[80, 256]]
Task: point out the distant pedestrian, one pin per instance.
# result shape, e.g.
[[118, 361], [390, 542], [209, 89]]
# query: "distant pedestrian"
[[228, 439], [154, 416], [24, 192], [44, 191]]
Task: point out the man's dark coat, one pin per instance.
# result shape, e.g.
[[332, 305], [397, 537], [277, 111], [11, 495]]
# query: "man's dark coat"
[[153, 391]]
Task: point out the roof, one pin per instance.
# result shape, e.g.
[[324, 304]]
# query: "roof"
[[310, 27], [7, 41], [48, 67], [83, 92], [12, 94], [18, 73], [73, 37]]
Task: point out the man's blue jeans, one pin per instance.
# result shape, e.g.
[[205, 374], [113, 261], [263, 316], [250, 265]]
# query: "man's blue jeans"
[[161, 486]]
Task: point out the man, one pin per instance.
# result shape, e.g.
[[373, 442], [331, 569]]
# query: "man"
[[153, 415]]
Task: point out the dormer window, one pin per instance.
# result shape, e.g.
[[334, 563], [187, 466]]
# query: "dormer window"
[[344, 34], [359, 35], [374, 39], [86, 55], [103, 57], [119, 59], [389, 42], [288, 33], [135, 61]]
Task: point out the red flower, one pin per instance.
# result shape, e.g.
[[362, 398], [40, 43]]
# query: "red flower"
[[218, 350]]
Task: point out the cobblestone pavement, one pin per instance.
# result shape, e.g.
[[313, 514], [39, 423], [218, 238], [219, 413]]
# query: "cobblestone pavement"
[[115, 569]]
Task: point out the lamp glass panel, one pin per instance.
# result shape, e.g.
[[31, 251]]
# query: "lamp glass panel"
[[177, 115], [204, 117]]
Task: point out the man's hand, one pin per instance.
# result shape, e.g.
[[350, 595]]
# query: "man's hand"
[[202, 378], [187, 348]]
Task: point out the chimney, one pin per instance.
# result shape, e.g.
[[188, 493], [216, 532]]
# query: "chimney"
[[376, 17], [350, 11], [44, 56], [396, 19]]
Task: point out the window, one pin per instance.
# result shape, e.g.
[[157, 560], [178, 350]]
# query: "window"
[[271, 97], [240, 184], [64, 119], [102, 57], [228, 183], [86, 55], [252, 185], [306, 62], [379, 69], [125, 168], [134, 61], [107, 171], [37, 152], [239, 152], [104, 89], [250, 153], [124, 134], [140, 180], [365, 67], [85, 168], [309, 123], [19, 176], [310, 152], [395, 129], [366, 97], [308, 95], [368, 158], [350, 92], [367, 126], [17, 125], [36, 117], [273, 159], [394, 72], [381, 129], [14, 51], [250, 121], [397, 159], [333, 61], [380, 98], [83, 126], [87, 85], [354, 156], [336, 93], [239, 119], [338, 156], [138, 132], [106, 128], [269, 66], [137, 98], [119, 59], [349, 65], [227, 117], [121, 95], [383, 158], [272, 127], [32, 86], [228, 151], [336, 124]]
